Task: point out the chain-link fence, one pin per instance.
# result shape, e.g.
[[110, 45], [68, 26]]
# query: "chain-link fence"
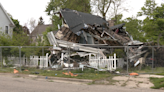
[[140, 59], [23, 56], [145, 59]]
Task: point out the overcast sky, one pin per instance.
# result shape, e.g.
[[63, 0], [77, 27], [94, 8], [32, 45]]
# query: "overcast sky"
[[24, 10]]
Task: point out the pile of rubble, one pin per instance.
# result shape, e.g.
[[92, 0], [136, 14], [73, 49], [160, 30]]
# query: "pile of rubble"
[[86, 33]]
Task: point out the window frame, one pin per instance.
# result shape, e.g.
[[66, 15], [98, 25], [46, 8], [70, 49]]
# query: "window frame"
[[7, 29]]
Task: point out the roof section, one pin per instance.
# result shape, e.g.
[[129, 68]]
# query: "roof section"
[[39, 29], [76, 20], [7, 15], [117, 26]]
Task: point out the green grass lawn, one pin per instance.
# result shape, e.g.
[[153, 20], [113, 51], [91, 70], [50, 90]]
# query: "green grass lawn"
[[85, 74], [158, 82]]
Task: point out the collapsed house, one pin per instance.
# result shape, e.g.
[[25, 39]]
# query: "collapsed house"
[[90, 34]]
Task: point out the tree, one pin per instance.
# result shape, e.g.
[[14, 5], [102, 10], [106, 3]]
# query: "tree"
[[134, 28], [117, 19], [148, 9], [79, 5], [153, 23], [40, 22], [5, 40], [56, 5], [17, 27], [32, 24], [24, 41], [102, 6], [159, 21], [115, 7]]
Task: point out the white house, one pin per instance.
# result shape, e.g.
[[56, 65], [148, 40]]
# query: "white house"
[[6, 24]]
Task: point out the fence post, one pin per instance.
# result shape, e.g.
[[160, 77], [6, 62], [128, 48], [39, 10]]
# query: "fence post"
[[1, 57], [115, 61], [152, 58], [20, 56], [127, 48], [43, 56], [69, 58]]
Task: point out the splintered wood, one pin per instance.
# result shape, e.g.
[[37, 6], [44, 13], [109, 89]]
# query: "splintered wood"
[[100, 34], [67, 35]]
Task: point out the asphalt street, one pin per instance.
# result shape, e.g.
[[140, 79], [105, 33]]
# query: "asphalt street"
[[20, 84]]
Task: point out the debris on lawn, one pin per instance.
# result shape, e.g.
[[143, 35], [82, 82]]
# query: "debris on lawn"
[[35, 72], [133, 74], [70, 74], [16, 71], [26, 70]]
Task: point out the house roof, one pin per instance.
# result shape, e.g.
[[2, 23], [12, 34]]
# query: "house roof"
[[39, 29], [12, 23], [26, 30], [117, 26], [76, 19]]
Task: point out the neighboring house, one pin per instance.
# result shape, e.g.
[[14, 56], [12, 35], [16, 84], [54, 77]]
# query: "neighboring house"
[[38, 32], [6, 24], [26, 30]]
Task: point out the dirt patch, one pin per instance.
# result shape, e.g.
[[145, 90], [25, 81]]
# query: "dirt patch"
[[141, 81], [101, 82]]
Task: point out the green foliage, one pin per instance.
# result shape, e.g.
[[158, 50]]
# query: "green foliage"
[[24, 41], [56, 21], [148, 8], [5, 40], [18, 39], [120, 53], [79, 5], [153, 23], [117, 19], [46, 42], [159, 11], [134, 28], [18, 28], [56, 5]]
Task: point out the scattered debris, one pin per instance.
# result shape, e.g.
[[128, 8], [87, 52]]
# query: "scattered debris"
[[133, 74], [90, 34], [16, 71], [117, 72], [70, 74], [35, 72], [26, 70]]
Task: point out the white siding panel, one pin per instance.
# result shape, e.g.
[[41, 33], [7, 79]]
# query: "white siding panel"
[[4, 21]]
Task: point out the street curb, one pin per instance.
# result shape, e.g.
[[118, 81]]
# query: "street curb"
[[47, 77]]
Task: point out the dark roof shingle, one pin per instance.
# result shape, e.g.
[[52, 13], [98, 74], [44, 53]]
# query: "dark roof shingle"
[[76, 20]]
